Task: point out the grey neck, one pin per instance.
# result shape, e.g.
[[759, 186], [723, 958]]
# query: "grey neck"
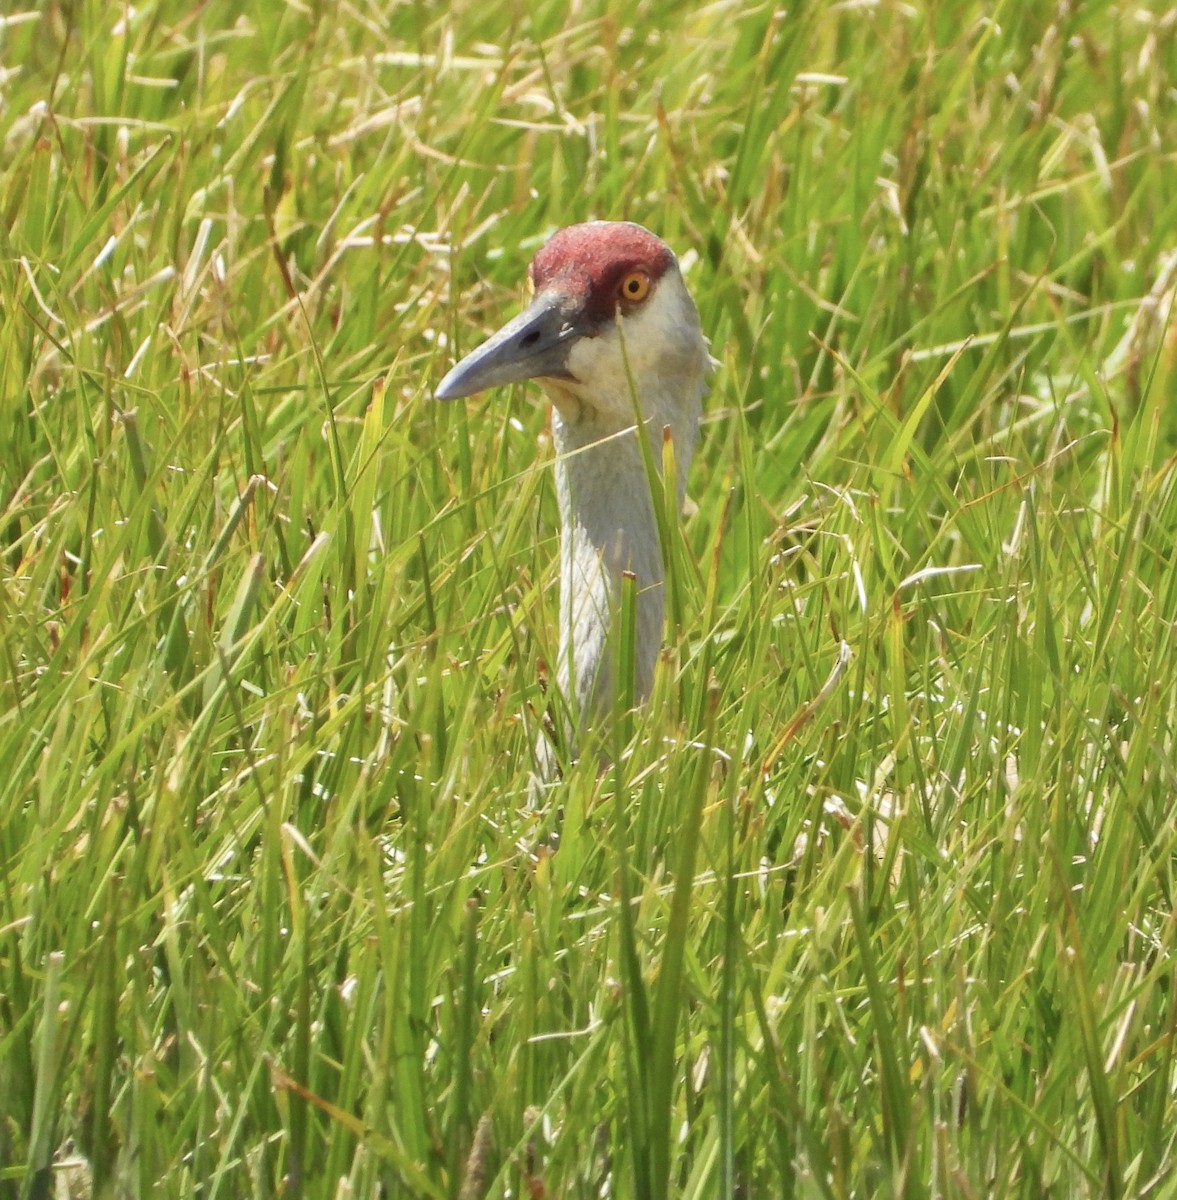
[[609, 528]]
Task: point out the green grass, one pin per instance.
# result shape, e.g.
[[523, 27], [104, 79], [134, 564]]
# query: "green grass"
[[275, 915]]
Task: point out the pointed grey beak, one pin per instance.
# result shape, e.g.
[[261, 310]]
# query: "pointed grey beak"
[[532, 346]]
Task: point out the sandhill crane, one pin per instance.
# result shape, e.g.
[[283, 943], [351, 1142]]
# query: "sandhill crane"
[[611, 321]]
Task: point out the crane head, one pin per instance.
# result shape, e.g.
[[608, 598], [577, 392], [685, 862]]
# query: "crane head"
[[610, 318]]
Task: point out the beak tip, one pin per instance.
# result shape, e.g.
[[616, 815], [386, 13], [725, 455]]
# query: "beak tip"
[[450, 388]]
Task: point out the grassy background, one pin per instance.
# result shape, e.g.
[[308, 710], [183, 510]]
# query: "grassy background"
[[273, 623]]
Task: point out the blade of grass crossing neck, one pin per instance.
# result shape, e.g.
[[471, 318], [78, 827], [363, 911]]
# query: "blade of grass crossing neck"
[[654, 480], [625, 684], [672, 552]]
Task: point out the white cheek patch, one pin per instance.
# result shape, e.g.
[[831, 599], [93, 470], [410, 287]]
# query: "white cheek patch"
[[651, 335], [596, 361]]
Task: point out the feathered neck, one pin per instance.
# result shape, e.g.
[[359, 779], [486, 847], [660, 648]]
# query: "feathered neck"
[[608, 527]]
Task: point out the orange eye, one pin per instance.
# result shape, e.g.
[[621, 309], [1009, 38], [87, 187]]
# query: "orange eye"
[[635, 286]]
